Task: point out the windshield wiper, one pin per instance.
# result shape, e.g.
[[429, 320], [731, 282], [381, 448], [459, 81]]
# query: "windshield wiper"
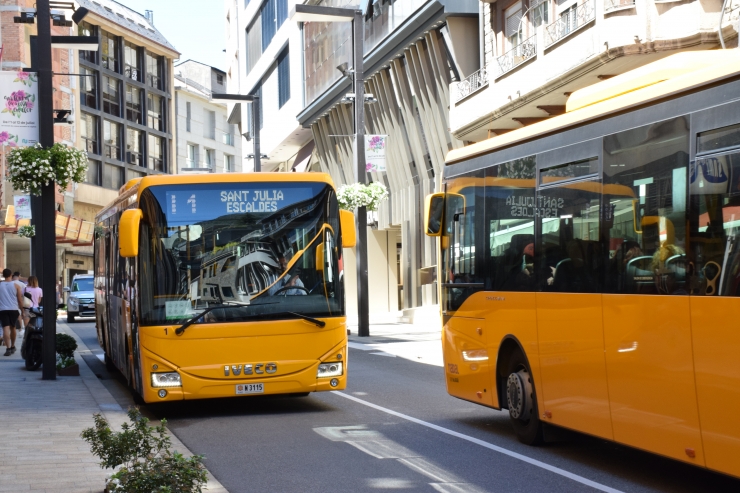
[[314, 321], [190, 322]]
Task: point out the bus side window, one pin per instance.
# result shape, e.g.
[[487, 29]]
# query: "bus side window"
[[645, 183], [714, 187]]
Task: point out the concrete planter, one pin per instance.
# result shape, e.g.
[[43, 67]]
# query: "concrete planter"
[[70, 371]]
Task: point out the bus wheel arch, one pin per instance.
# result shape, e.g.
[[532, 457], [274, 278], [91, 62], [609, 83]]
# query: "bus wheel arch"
[[517, 392]]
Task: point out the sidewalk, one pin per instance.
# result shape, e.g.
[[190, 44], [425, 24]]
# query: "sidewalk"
[[416, 342], [40, 444]]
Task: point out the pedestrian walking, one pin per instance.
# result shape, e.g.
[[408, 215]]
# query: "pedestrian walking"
[[21, 283], [36, 295], [11, 304]]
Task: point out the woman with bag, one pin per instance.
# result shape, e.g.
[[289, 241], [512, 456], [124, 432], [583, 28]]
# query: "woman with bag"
[[32, 295]]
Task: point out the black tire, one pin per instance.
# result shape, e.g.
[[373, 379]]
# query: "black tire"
[[109, 365], [527, 425], [33, 361], [300, 394], [70, 318]]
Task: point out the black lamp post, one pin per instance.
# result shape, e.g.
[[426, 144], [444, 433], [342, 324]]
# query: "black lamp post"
[[255, 100], [44, 207], [316, 13]]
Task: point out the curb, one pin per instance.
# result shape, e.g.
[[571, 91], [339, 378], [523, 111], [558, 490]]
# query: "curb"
[[113, 411]]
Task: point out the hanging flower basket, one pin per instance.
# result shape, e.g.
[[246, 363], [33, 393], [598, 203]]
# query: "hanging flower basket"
[[351, 197], [27, 231], [31, 168]]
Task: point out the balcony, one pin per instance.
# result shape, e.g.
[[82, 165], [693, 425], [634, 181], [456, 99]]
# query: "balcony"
[[614, 5], [569, 22], [522, 52], [471, 84]]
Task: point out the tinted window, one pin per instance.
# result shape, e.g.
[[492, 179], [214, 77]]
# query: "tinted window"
[[718, 139], [645, 184], [462, 241], [510, 212]]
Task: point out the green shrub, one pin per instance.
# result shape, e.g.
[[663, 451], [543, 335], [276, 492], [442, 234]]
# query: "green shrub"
[[66, 346], [148, 464]]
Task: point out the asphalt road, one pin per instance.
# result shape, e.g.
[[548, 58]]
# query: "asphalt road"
[[395, 428]]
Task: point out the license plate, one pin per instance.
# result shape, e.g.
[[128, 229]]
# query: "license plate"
[[91, 306], [250, 388]]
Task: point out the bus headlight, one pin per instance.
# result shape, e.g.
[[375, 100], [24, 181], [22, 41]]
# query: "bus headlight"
[[329, 370], [166, 380]]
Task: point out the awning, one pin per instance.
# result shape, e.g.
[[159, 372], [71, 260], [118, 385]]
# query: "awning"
[[68, 229], [235, 117], [303, 158]]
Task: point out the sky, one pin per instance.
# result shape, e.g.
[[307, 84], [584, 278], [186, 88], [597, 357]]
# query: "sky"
[[194, 27]]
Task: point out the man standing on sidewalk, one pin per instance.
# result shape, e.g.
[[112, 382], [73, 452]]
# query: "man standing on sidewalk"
[[11, 305]]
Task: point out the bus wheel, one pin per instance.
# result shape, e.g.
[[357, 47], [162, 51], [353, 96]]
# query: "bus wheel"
[[522, 401]]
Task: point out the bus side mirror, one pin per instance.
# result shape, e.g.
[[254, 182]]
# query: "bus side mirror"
[[433, 209], [349, 235], [128, 233], [320, 257]]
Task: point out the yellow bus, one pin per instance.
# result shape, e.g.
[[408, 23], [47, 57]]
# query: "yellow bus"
[[223, 285], [590, 264]]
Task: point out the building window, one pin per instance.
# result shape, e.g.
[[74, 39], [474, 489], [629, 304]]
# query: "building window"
[[541, 14], [89, 88], [93, 172], [132, 175], [512, 26], [131, 60], [133, 147], [192, 159], [209, 124], [228, 162], [112, 140], [187, 116], [154, 71], [283, 78], [156, 153], [110, 51], [228, 137], [133, 104], [112, 176], [209, 158], [154, 110], [85, 29], [111, 96], [89, 131], [220, 79]]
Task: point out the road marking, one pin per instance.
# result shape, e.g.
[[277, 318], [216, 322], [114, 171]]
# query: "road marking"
[[360, 346], [383, 354], [490, 446]]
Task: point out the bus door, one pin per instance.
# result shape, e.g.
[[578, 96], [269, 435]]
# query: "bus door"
[[715, 325], [569, 312], [647, 319]]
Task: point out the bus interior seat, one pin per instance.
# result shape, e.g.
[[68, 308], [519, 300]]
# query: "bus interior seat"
[[512, 260], [570, 278]]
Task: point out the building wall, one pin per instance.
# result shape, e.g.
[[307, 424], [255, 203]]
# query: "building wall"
[[609, 37]]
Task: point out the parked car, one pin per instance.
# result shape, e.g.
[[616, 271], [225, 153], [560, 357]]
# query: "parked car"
[[81, 299]]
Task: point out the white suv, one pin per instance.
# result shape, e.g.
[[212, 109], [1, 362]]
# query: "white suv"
[[81, 300]]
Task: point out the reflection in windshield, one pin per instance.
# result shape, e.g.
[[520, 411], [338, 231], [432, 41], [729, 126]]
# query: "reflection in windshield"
[[82, 285], [270, 246]]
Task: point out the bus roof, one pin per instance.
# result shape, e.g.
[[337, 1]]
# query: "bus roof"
[[668, 77]]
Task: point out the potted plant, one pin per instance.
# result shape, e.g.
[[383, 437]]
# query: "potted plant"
[[28, 231], [66, 364], [31, 168], [350, 197]]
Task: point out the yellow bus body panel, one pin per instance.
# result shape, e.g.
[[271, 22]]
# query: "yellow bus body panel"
[[716, 336], [200, 354]]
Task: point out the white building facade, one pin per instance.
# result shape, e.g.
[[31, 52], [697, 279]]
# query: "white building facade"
[[206, 142], [264, 57]]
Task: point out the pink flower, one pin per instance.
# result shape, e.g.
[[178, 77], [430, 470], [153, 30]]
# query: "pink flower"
[[4, 136], [29, 105], [23, 75]]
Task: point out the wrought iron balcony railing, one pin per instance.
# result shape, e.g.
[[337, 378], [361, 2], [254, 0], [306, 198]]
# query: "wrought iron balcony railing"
[[474, 82], [610, 5], [570, 21], [522, 52]]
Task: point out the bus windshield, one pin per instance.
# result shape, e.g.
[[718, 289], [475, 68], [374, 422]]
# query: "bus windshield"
[[270, 247]]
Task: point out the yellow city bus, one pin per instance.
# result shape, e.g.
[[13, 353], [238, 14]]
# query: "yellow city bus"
[[590, 264], [223, 285]]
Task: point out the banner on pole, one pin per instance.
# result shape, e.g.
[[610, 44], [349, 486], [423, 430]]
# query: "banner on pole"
[[19, 116], [22, 205], [375, 146]]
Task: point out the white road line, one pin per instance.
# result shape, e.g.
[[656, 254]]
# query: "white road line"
[[360, 346], [490, 446]]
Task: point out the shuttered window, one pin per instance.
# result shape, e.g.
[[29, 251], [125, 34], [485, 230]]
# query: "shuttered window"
[[513, 17], [283, 78]]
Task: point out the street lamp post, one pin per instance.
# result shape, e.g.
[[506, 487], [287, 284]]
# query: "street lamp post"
[[316, 13], [255, 100], [44, 208]]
